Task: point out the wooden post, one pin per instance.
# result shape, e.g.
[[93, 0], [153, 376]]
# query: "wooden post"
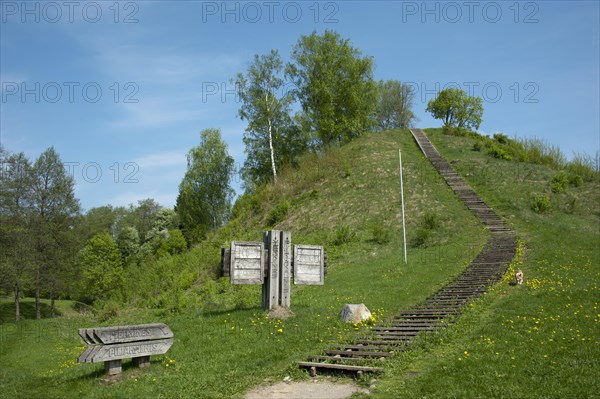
[[286, 266], [142, 361], [112, 367], [272, 245]]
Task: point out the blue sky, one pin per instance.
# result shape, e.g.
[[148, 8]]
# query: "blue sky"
[[122, 90]]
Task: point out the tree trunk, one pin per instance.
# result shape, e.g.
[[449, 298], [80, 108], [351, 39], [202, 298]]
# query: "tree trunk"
[[271, 140], [272, 154], [38, 313], [52, 300], [17, 304]]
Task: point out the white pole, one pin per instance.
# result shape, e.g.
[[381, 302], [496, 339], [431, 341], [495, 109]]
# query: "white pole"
[[402, 196]]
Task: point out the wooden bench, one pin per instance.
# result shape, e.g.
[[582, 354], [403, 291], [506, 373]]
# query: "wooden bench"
[[112, 344]]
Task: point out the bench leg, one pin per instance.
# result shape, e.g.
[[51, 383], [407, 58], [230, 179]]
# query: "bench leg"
[[112, 367], [142, 361]]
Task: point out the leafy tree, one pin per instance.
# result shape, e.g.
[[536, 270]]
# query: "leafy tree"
[[457, 109], [267, 111], [97, 220], [54, 209], [15, 207], [205, 195], [128, 241], [158, 236], [142, 216], [395, 105], [102, 269], [174, 244], [335, 86]]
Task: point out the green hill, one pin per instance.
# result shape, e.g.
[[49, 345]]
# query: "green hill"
[[536, 340]]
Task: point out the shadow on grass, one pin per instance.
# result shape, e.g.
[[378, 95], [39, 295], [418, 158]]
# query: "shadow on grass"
[[214, 312], [128, 369], [27, 310]]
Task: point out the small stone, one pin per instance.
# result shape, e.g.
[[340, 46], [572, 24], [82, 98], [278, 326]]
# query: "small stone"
[[287, 378]]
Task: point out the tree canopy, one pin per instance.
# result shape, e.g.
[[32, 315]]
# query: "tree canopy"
[[205, 194], [271, 137], [335, 86], [457, 109], [395, 104]]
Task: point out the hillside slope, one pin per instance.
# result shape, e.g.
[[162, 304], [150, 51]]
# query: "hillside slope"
[[348, 200], [537, 340]]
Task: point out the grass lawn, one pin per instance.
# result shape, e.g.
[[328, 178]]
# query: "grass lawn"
[[537, 340]]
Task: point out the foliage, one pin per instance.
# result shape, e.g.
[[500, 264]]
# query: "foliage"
[[53, 215], [477, 145], [576, 180], [501, 138], [395, 103], [102, 269], [541, 203], [343, 235], [271, 137], [507, 339], [335, 86], [456, 109], [175, 243], [559, 183], [499, 153], [15, 206], [585, 165], [128, 241], [278, 213], [431, 221], [381, 235], [204, 199]]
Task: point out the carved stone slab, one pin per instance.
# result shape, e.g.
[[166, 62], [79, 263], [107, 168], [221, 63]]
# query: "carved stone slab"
[[247, 262], [121, 334], [104, 353], [309, 265]]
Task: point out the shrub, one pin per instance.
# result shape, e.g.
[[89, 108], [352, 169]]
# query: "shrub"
[[381, 235], [431, 220], [278, 213], [569, 207], [541, 203], [585, 166], [501, 138], [477, 146], [559, 183], [576, 180], [422, 235], [499, 153], [537, 151], [343, 235]]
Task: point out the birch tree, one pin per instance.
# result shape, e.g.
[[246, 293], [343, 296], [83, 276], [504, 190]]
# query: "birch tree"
[[266, 107]]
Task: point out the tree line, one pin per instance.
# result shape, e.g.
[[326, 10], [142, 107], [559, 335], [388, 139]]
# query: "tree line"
[[338, 100], [50, 248]]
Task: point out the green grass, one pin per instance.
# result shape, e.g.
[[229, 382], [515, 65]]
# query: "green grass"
[[225, 345], [539, 340]]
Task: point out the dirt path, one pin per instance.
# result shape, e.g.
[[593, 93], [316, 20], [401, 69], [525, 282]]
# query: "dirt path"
[[304, 390]]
